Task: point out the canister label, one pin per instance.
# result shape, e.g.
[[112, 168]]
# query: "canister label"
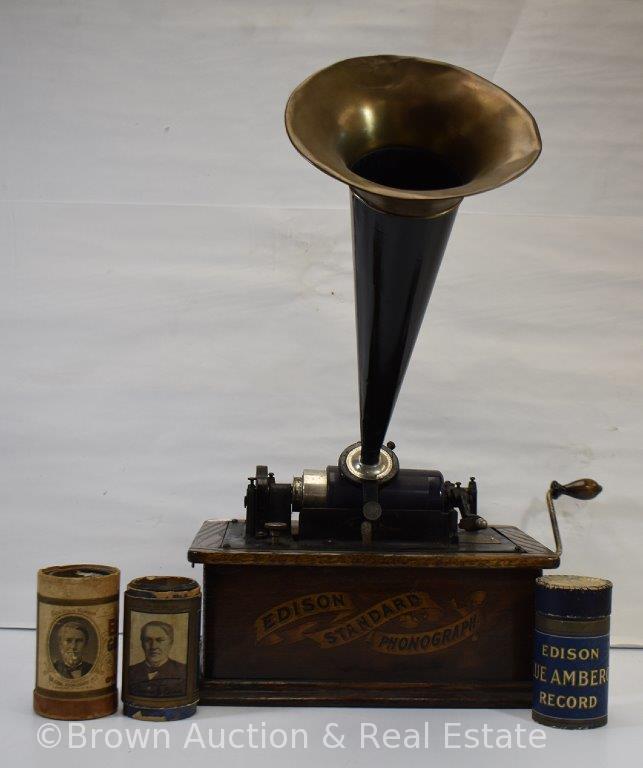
[[570, 676], [77, 646]]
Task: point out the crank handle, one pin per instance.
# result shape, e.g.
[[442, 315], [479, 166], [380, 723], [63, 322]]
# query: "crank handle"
[[584, 489]]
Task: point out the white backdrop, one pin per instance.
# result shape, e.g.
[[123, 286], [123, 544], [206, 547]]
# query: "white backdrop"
[[177, 289]]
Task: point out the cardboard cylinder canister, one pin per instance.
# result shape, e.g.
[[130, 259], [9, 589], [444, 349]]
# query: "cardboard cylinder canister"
[[77, 642], [571, 651], [161, 648]]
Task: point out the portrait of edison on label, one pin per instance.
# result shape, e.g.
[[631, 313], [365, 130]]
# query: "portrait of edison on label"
[[73, 646], [157, 655]]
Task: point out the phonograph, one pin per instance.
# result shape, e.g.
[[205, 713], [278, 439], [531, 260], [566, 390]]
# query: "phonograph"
[[368, 583]]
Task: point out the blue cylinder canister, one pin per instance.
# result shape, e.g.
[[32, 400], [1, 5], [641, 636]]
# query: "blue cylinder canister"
[[571, 651]]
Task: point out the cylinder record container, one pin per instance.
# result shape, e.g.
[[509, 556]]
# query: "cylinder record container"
[[571, 651], [77, 642], [161, 648]]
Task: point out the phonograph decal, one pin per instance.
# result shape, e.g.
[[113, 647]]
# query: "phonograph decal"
[[408, 623]]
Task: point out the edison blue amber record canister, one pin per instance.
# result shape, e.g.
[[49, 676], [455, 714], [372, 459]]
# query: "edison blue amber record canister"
[[571, 651]]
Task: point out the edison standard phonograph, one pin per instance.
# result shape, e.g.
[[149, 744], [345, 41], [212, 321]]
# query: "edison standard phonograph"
[[367, 583]]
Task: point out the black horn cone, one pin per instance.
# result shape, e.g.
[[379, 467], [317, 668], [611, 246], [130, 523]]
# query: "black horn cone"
[[397, 259]]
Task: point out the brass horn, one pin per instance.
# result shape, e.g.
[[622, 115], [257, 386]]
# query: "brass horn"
[[411, 138]]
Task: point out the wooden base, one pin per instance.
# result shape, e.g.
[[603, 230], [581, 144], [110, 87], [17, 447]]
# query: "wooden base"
[[288, 693], [380, 626]]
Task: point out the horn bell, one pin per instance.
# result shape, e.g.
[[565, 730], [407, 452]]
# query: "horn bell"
[[411, 136]]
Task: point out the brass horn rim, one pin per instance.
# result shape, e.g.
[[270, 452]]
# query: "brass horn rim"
[[524, 136]]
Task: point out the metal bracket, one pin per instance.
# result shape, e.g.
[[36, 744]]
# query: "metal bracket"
[[351, 467]]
